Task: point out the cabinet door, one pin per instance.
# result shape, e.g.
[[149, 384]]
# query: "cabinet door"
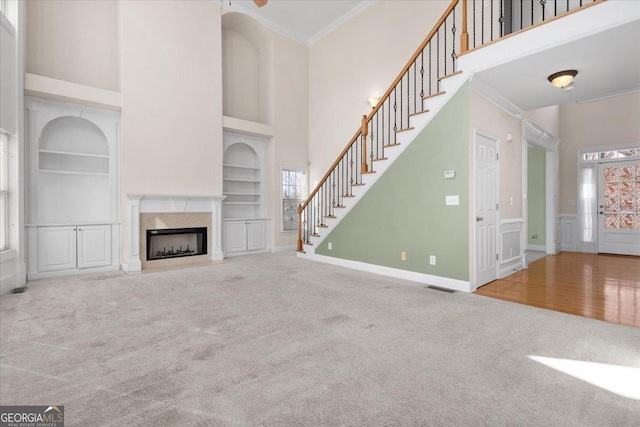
[[235, 236], [256, 235], [94, 246], [56, 248]]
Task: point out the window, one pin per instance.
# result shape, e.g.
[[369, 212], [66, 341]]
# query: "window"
[[294, 191], [4, 192]]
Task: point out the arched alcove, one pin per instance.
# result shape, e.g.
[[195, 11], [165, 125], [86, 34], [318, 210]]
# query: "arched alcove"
[[75, 135], [246, 73]]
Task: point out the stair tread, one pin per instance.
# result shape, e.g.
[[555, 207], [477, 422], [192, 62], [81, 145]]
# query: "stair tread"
[[348, 195], [307, 243], [418, 112], [449, 75], [339, 206], [433, 95], [367, 172], [329, 216], [380, 158], [322, 226], [391, 145], [405, 129], [357, 185]]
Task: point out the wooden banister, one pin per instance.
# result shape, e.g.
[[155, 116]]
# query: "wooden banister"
[[364, 131], [415, 56], [464, 37]]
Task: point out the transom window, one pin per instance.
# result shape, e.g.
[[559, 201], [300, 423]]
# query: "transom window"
[[612, 154]]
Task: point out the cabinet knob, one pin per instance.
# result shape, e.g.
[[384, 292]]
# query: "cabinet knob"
[[79, 229]]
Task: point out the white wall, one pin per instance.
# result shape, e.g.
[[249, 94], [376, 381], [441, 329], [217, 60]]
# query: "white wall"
[[488, 117], [291, 141], [76, 41], [356, 61], [172, 103], [240, 70], [606, 122]]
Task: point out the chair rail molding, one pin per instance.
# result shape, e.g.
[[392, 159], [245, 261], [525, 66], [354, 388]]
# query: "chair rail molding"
[[511, 246]]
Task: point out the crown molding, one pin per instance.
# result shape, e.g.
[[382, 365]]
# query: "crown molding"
[[481, 87], [340, 21], [240, 7]]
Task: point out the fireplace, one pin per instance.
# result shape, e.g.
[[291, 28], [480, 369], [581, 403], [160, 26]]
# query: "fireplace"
[[176, 242]]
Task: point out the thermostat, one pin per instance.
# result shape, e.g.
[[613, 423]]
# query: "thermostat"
[[449, 174]]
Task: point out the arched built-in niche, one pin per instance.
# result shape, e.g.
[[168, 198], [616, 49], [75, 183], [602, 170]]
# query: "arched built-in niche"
[[246, 71], [74, 171]]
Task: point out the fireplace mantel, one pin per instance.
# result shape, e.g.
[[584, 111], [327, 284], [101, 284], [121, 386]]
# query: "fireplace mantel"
[[171, 203]]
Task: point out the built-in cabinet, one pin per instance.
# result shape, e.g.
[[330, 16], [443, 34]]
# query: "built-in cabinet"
[[244, 227], [73, 194], [71, 247]]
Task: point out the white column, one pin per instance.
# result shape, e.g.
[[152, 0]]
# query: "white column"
[[216, 239], [134, 265]]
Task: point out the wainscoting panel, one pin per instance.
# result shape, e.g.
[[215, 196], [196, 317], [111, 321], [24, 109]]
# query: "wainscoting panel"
[[568, 229], [511, 249]]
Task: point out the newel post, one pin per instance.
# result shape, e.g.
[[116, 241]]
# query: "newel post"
[[299, 228], [464, 37], [365, 132]]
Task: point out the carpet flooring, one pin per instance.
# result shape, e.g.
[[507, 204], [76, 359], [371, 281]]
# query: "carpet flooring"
[[275, 340]]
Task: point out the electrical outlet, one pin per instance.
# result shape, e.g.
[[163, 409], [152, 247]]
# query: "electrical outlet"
[[432, 259], [329, 246], [403, 256]]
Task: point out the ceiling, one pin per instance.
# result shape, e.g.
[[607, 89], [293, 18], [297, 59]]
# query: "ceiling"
[[608, 63], [304, 21]]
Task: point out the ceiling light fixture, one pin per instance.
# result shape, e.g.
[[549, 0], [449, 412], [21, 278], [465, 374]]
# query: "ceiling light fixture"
[[562, 79], [374, 101]]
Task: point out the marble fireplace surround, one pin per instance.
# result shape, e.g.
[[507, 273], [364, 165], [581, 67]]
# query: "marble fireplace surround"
[[144, 210]]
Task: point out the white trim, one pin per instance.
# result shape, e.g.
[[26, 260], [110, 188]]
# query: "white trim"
[[290, 248], [540, 248], [340, 21], [72, 272], [8, 255], [443, 282], [483, 89], [534, 135], [305, 191], [64, 91], [237, 6], [515, 263], [611, 95]]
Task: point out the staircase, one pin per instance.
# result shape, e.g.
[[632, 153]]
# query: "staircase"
[[423, 87]]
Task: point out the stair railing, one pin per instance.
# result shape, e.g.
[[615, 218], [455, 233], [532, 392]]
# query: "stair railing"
[[434, 60], [492, 20], [419, 79]]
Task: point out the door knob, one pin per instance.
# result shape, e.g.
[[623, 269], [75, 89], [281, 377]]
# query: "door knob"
[[479, 218]]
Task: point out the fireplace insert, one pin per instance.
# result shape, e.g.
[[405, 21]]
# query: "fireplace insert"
[[176, 242]]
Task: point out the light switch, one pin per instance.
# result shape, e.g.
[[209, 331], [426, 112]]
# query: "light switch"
[[452, 200], [449, 174]]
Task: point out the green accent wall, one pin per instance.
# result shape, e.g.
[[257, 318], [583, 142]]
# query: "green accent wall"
[[405, 209], [536, 196]]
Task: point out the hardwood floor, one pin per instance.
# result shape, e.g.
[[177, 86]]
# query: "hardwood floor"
[[604, 287]]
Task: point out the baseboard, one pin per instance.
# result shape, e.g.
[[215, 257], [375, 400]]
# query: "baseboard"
[[443, 282], [509, 268], [76, 272], [541, 248], [284, 248]]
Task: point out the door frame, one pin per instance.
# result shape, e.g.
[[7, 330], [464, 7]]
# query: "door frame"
[[474, 250], [534, 135]]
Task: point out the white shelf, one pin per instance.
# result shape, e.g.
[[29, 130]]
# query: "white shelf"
[[257, 168], [240, 203], [59, 172], [241, 194], [68, 153], [241, 180]]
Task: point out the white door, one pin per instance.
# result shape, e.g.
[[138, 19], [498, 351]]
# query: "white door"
[[486, 212], [256, 235], [235, 236], [94, 246], [56, 248], [619, 208]]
